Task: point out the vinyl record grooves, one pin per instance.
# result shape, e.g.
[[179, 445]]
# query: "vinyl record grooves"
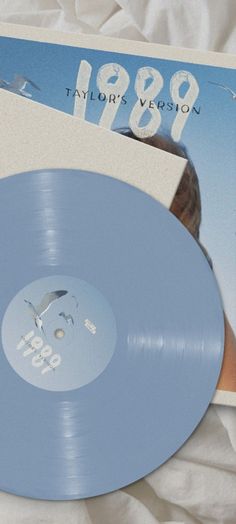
[[111, 334]]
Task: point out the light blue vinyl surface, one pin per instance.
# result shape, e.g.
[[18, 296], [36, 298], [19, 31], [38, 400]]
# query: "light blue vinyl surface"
[[169, 343]]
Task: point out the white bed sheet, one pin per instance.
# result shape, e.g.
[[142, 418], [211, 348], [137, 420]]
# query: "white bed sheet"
[[198, 484], [202, 24]]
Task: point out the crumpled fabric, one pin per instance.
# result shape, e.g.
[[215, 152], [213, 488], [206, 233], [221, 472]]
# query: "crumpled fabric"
[[202, 24], [198, 484]]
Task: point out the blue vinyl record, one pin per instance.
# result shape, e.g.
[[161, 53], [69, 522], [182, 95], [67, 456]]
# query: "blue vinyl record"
[[112, 334]]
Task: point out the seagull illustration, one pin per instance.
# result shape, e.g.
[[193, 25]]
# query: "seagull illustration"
[[76, 303], [38, 311], [68, 318], [18, 85], [226, 88]]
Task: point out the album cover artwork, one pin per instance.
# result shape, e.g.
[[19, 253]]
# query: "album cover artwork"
[[179, 101]]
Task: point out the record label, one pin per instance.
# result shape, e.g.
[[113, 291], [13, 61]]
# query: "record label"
[[59, 333]]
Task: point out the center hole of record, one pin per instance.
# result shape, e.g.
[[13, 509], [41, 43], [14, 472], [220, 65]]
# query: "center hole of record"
[[59, 333]]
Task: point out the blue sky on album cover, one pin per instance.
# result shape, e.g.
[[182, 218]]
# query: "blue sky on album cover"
[[208, 136]]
